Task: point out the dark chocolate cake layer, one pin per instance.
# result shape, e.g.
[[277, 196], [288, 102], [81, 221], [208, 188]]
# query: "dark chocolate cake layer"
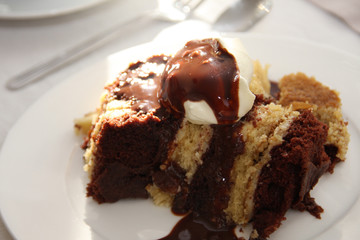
[[128, 152], [294, 169], [130, 145]]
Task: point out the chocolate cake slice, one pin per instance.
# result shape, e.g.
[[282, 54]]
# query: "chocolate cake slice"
[[130, 137], [159, 133]]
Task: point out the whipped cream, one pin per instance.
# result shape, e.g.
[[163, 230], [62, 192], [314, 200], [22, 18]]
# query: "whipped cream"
[[200, 112], [206, 83]]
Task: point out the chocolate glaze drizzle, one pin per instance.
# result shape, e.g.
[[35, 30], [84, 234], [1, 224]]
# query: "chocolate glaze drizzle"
[[206, 197], [210, 186], [202, 70], [140, 85], [195, 227]]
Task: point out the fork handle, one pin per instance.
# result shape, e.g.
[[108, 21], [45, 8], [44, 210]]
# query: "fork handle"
[[42, 69]]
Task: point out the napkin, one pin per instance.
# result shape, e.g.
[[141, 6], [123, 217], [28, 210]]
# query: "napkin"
[[347, 10]]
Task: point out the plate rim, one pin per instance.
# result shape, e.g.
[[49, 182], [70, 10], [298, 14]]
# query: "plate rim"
[[49, 13]]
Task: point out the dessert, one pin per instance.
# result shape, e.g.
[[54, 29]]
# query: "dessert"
[[201, 133]]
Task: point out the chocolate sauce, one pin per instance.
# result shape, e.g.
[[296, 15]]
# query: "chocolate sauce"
[[140, 84], [209, 190], [207, 196], [170, 179], [202, 70], [193, 227]]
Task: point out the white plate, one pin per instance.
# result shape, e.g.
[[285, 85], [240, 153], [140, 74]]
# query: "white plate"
[[42, 185], [25, 9]]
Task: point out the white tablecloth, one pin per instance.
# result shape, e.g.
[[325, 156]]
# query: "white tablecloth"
[[26, 42]]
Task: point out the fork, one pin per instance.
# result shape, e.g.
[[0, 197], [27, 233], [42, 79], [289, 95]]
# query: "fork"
[[174, 11]]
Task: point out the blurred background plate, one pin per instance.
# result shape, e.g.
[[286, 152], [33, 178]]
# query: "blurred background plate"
[[27, 9]]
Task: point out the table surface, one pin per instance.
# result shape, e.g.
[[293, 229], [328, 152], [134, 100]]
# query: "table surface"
[[26, 42]]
